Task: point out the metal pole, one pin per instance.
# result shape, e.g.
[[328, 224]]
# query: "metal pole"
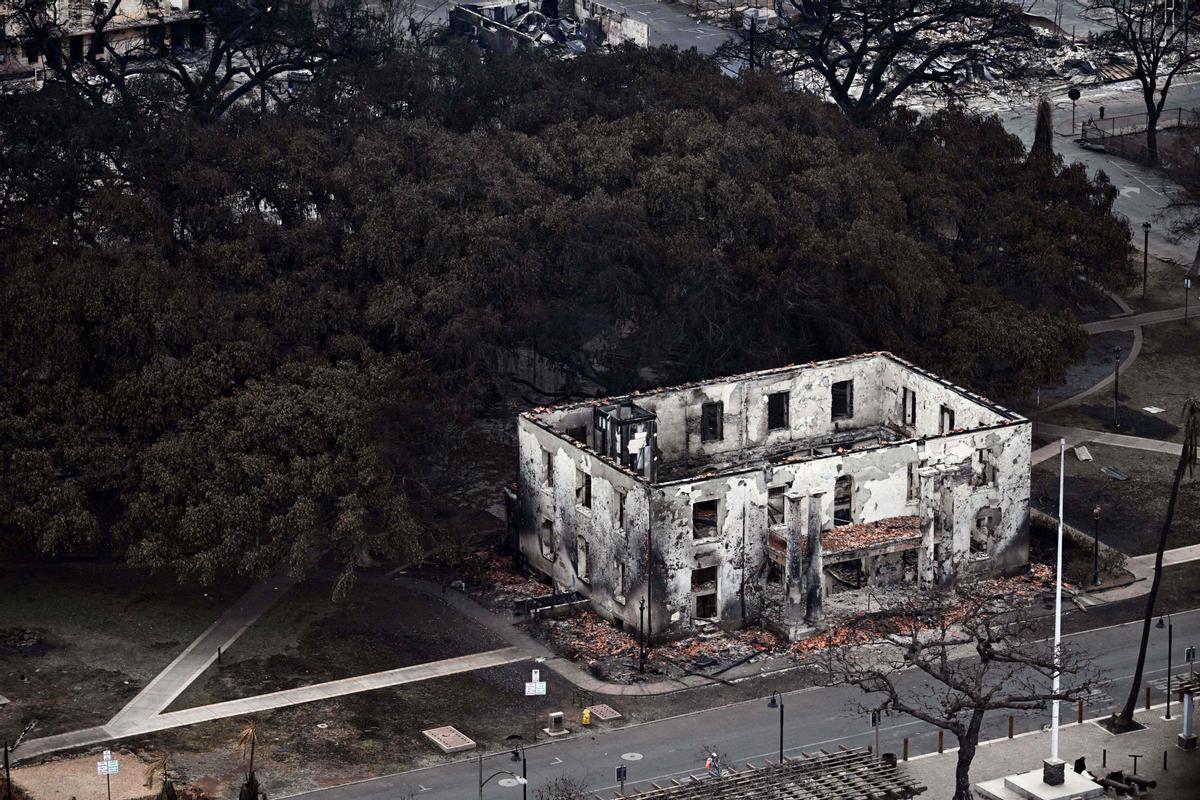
[[108, 783], [780, 728], [480, 775], [1169, 632], [7, 775], [877, 754], [1145, 257], [525, 777], [1096, 547], [1062, 466], [642, 635]]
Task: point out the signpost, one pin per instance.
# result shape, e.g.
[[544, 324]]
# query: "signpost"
[[107, 767], [535, 686], [621, 775]]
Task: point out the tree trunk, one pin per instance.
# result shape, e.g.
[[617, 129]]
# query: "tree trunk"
[[1152, 140], [967, 742], [1124, 719]]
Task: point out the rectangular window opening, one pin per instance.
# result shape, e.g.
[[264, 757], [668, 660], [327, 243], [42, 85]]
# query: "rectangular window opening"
[[583, 564], [547, 468], [776, 506], [583, 489], [704, 519], [946, 420], [712, 422], [843, 399], [914, 479], [777, 410], [843, 501], [908, 407], [619, 582], [619, 509], [546, 539]]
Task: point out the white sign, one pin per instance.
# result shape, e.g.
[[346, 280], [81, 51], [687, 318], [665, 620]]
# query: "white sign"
[[533, 688], [537, 675], [107, 767]]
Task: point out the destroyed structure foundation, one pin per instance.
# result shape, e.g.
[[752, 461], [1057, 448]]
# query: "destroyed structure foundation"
[[772, 495]]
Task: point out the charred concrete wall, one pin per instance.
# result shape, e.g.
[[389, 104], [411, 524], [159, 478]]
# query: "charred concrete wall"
[[964, 472]]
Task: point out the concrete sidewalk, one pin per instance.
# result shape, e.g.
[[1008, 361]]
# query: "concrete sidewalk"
[[1137, 320], [202, 652], [1076, 436], [1001, 757]]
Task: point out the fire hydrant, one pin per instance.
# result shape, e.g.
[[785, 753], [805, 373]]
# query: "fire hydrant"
[[587, 716]]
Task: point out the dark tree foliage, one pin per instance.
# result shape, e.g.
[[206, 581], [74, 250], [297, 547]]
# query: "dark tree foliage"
[[230, 345]]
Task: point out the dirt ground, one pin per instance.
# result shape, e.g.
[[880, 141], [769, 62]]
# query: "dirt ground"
[[1131, 511], [78, 641], [1165, 374], [305, 638], [1165, 287], [69, 778]]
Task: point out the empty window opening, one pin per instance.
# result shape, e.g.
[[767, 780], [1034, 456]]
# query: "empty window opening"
[[704, 589], [619, 582], [578, 434], [984, 531], [546, 539], [547, 468], [914, 479], [583, 565], [908, 407], [946, 420], [706, 606], [776, 506], [985, 467], [704, 519], [583, 489], [619, 509], [777, 410], [843, 400], [843, 500], [712, 422]]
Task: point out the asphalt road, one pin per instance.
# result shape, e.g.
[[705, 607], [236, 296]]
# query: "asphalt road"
[[814, 718], [1144, 193]]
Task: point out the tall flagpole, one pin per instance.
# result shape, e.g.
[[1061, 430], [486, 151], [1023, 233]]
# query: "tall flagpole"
[[1062, 463]]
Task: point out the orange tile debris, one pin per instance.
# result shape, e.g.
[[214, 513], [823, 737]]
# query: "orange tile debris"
[[867, 534]]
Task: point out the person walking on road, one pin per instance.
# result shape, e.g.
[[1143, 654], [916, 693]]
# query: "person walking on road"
[[713, 765]]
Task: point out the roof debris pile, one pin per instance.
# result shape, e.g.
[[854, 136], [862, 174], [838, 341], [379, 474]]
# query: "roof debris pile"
[[507, 25], [870, 534]]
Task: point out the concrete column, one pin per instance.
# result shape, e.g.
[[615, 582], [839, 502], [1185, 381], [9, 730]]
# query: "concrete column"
[[816, 560], [927, 483], [794, 577]]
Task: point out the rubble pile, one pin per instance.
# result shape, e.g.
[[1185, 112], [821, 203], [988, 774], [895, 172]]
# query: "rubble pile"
[[588, 638], [495, 583]]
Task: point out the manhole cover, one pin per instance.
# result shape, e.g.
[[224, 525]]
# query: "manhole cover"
[[631, 756], [449, 739]]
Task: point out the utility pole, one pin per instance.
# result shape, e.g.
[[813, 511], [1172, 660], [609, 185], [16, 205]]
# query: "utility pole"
[[1145, 256], [1096, 547]]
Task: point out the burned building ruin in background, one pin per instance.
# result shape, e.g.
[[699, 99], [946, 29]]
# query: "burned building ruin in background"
[[771, 495]]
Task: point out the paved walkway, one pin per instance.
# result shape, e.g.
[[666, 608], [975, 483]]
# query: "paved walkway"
[[202, 652], [1075, 436], [1128, 323]]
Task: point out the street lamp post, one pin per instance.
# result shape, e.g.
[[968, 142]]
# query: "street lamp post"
[[1187, 288], [518, 754], [776, 701], [1170, 630], [1096, 547], [642, 635], [1145, 256], [1116, 384], [485, 781]]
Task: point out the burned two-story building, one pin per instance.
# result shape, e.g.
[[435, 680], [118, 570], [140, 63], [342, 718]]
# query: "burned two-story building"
[[772, 495]]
